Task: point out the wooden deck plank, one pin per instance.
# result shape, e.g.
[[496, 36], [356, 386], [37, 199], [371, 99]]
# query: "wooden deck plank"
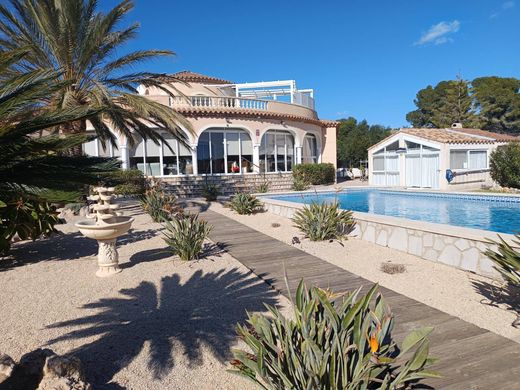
[[470, 357]]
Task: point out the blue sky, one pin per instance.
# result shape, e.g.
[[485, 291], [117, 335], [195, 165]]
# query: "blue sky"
[[365, 59]]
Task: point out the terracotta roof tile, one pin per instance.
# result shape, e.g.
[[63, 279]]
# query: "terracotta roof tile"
[[460, 136], [192, 77], [249, 113]]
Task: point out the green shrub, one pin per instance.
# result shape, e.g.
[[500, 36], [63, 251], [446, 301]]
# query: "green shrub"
[[210, 192], [299, 184], [331, 345], [160, 205], [185, 236], [315, 174], [505, 165], [507, 260], [29, 218], [127, 182], [244, 203], [323, 221]]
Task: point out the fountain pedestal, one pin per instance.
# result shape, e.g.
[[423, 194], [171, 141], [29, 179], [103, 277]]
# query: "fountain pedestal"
[[108, 258], [105, 226]]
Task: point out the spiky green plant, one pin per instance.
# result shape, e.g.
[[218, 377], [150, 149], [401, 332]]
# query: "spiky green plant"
[[160, 205], [81, 44], [185, 236], [323, 221], [263, 187], [210, 192], [507, 259], [299, 184], [331, 345], [244, 203]]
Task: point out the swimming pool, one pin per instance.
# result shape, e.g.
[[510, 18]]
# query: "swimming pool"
[[495, 213]]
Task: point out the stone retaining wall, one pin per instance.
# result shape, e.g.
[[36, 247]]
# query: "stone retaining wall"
[[455, 246]]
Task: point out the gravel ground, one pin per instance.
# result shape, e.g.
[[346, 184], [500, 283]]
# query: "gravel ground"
[[456, 292], [160, 323]]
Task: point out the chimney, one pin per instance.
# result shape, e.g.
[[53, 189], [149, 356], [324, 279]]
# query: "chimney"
[[456, 125]]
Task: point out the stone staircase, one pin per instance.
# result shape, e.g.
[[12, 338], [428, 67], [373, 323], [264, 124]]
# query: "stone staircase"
[[192, 186]]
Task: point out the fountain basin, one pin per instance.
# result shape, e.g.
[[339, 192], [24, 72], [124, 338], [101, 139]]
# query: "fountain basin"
[[107, 230]]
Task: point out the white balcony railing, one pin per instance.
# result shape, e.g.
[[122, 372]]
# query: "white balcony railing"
[[231, 102], [220, 102]]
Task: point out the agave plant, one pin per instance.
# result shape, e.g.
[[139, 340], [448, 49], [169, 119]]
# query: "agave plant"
[[331, 345], [160, 205], [323, 221], [244, 203], [185, 236], [507, 260]]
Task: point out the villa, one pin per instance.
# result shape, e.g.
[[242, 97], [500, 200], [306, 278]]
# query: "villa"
[[249, 128], [426, 158]]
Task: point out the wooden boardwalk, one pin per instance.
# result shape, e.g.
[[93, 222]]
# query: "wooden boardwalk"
[[470, 357]]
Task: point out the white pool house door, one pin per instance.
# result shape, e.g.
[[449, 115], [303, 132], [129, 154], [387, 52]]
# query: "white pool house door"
[[422, 170]]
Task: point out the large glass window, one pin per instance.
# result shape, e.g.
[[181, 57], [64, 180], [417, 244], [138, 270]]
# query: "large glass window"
[[95, 148], [468, 159], [224, 151], [310, 149], [170, 157], [277, 151]]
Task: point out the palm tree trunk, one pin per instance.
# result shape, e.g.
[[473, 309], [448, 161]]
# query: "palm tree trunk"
[[77, 127]]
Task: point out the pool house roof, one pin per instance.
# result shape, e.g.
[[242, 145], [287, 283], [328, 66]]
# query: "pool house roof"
[[452, 136]]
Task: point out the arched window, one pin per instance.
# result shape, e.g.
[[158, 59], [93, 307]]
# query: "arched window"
[[277, 151], [224, 151], [310, 149]]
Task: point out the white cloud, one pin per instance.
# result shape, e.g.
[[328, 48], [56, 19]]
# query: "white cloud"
[[505, 6], [439, 33]]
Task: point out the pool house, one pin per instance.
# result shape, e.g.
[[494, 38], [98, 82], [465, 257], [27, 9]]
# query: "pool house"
[[239, 129], [451, 159]]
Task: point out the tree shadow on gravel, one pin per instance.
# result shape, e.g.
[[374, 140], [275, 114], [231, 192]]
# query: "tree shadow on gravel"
[[176, 320], [61, 246], [496, 295]]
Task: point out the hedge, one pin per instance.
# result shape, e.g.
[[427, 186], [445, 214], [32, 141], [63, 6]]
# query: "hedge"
[[505, 165], [127, 182], [315, 174]]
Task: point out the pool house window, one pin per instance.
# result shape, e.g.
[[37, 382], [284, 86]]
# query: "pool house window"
[[385, 168], [310, 149], [277, 151], [169, 158], [468, 159], [222, 151]]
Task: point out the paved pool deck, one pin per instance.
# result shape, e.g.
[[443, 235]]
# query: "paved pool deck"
[[470, 357]]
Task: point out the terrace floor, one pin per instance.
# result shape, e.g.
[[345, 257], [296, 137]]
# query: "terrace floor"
[[469, 357]]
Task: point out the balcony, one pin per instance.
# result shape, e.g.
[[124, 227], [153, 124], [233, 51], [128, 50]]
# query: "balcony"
[[235, 103]]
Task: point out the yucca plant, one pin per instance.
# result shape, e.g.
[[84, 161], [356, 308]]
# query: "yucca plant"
[[331, 345], [185, 236], [323, 221], [244, 203], [507, 260], [299, 184], [160, 205]]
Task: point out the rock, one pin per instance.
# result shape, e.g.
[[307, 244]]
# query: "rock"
[[42, 369], [7, 366]]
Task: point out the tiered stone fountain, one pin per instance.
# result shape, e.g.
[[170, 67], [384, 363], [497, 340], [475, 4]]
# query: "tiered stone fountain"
[[105, 224]]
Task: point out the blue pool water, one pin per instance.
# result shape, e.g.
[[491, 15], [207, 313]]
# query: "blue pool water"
[[495, 213]]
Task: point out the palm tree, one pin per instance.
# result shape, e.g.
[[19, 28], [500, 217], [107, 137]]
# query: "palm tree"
[[72, 38], [30, 166]]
